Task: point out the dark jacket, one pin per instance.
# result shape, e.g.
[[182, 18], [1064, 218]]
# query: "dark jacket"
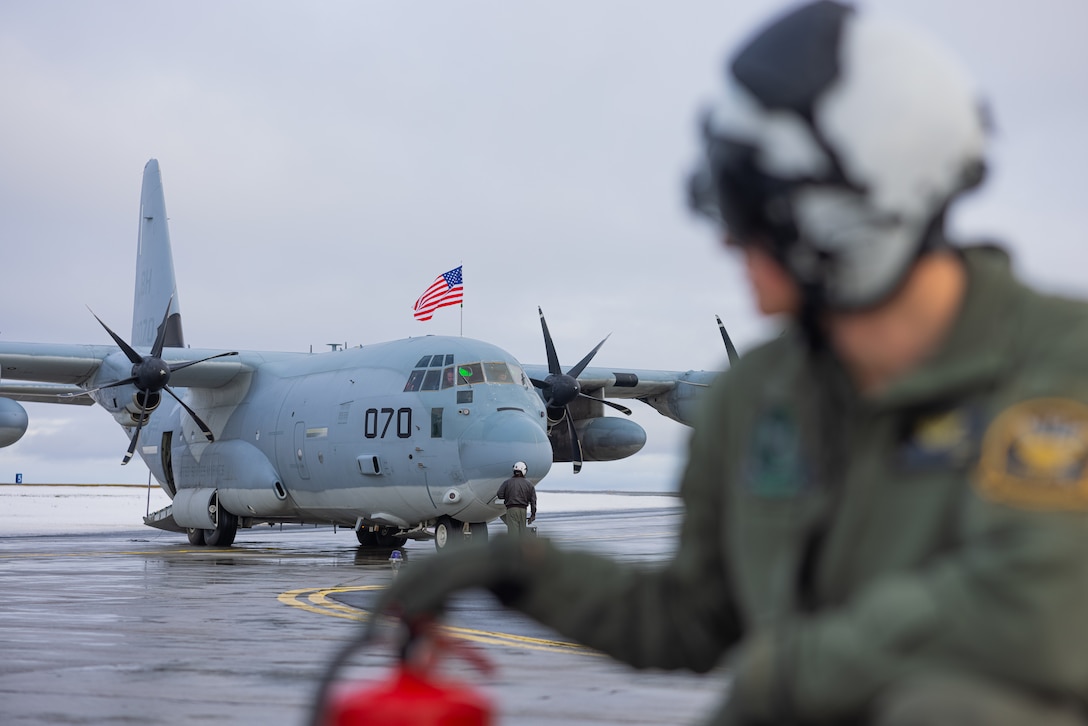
[[517, 491], [838, 544]]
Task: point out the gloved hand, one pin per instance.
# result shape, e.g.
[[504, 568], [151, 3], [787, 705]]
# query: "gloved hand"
[[531, 519], [421, 589]]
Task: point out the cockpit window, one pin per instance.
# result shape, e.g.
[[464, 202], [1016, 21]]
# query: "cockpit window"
[[422, 379], [469, 373], [497, 373], [519, 376], [490, 371], [448, 378], [414, 380], [434, 372], [431, 380]]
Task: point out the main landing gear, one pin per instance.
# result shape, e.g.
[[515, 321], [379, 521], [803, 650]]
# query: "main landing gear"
[[449, 531], [382, 537], [226, 529]]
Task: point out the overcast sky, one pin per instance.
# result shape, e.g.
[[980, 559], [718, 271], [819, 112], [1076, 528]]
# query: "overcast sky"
[[323, 162]]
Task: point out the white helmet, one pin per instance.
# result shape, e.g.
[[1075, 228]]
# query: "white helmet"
[[839, 145], [520, 468]]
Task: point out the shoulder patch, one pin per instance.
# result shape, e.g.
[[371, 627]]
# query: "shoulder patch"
[[1035, 455], [941, 440], [774, 464]]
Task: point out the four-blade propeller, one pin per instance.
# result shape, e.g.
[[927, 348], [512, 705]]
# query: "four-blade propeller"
[[559, 389], [151, 374]]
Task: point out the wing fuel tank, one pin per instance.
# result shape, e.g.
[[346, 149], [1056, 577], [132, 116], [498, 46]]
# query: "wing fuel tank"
[[13, 422], [603, 439], [609, 439]]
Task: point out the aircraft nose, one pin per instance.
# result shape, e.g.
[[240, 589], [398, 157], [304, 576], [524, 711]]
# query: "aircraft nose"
[[489, 448]]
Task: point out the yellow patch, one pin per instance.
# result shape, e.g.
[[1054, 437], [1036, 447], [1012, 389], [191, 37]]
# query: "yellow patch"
[[942, 432], [1035, 455]]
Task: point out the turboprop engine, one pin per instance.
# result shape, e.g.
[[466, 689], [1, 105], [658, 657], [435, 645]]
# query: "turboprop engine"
[[13, 421]]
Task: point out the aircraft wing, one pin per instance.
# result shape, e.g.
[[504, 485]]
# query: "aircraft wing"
[[671, 393], [44, 393], [67, 366]]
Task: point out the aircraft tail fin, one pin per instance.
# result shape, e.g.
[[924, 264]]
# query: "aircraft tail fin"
[[156, 287]]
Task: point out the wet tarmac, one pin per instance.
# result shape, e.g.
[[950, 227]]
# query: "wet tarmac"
[[139, 627]]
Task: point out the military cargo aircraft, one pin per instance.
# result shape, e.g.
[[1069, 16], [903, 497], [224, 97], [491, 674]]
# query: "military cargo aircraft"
[[404, 439]]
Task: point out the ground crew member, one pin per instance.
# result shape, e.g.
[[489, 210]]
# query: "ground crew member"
[[518, 493], [886, 508]]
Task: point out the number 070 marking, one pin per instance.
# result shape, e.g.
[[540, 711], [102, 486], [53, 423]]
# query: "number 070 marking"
[[376, 423]]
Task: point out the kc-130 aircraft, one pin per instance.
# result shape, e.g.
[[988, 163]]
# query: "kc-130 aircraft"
[[408, 438]]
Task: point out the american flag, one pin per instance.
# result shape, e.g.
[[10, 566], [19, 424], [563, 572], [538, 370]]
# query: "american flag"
[[446, 289]]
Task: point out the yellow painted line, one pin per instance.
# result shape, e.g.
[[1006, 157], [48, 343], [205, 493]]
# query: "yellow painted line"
[[319, 601]]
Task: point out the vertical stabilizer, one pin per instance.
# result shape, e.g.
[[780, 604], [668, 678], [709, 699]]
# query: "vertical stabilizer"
[[155, 284]]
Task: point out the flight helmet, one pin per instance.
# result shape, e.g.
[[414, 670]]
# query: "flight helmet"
[[520, 468], [839, 143]]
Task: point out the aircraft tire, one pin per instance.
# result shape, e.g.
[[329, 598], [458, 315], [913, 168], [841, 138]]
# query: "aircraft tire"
[[196, 537], [366, 537], [478, 531], [386, 538], [447, 532], [224, 533]]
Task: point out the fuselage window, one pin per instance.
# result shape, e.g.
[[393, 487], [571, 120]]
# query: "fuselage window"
[[438, 361], [449, 359], [436, 423], [424, 362]]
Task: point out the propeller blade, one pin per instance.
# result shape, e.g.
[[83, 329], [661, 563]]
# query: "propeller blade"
[[605, 401], [135, 436], [575, 444], [581, 365], [196, 419], [537, 383], [178, 366], [134, 357], [729, 349], [549, 346], [160, 334]]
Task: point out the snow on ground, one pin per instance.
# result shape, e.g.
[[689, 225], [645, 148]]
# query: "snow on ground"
[[46, 509]]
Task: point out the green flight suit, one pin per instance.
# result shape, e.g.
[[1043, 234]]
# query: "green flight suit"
[[842, 547]]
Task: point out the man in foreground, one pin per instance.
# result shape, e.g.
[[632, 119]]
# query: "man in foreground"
[[885, 508]]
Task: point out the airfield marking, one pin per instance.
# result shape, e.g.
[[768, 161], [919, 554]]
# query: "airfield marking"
[[317, 600]]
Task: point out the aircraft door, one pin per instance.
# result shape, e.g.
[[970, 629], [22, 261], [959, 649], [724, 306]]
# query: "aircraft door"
[[167, 453], [429, 452], [300, 450]]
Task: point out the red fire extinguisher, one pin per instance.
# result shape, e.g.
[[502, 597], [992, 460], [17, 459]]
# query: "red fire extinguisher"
[[415, 694]]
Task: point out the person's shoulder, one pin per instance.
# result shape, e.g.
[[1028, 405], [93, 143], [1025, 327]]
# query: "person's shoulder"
[[1045, 330]]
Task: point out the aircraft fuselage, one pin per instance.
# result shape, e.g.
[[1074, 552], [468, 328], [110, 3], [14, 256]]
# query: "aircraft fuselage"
[[393, 434]]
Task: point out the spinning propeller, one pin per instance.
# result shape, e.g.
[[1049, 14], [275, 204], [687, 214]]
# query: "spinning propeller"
[[559, 389], [150, 374]]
